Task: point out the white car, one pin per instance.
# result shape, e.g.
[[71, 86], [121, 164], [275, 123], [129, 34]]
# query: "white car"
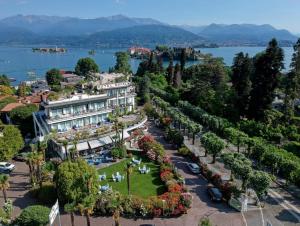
[[6, 167], [194, 168]]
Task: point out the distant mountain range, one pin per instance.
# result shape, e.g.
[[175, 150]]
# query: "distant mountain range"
[[123, 31], [242, 34]]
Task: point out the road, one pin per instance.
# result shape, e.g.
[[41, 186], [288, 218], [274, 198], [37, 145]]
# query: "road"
[[278, 206]]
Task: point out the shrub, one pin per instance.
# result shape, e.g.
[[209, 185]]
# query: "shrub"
[[47, 193], [293, 147], [175, 188], [34, 216], [118, 152], [165, 167], [184, 151], [205, 222], [166, 175]]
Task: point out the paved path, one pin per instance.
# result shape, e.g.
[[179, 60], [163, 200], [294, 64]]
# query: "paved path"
[[220, 214], [19, 187]]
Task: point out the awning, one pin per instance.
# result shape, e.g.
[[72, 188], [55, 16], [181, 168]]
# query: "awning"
[[125, 135], [95, 144], [82, 146], [105, 140], [68, 147]]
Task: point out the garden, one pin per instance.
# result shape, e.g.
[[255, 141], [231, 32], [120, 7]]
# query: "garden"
[[148, 185], [141, 184]]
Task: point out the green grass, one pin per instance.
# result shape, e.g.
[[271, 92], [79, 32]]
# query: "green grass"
[[142, 185]]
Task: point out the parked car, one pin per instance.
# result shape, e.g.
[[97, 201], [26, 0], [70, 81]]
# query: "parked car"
[[215, 194], [194, 168], [6, 167]]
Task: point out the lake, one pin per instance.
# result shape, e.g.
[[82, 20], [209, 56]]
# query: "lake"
[[18, 60]]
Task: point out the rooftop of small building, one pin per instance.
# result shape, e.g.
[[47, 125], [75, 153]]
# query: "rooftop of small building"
[[9, 107]]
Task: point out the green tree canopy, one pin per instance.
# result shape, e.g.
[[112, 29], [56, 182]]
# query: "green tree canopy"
[[34, 216], [75, 180], [158, 80], [212, 144], [241, 84], [267, 68], [260, 182], [53, 77], [4, 80], [11, 141], [6, 90], [235, 136], [22, 116], [292, 83], [85, 66], [122, 64]]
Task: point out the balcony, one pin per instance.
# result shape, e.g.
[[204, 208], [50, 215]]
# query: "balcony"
[[77, 115]]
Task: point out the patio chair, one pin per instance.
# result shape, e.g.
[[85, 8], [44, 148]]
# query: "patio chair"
[[114, 178], [148, 171]]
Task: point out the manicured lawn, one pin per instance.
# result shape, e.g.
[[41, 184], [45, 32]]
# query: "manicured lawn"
[[142, 185]]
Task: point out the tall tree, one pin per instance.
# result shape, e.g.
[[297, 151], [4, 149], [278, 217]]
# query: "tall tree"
[[54, 77], [4, 185], [292, 83], [144, 89], [177, 76], [182, 59], [11, 142], [129, 170], [85, 66], [241, 72], [122, 64], [170, 71], [86, 207], [71, 208], [267, 67]]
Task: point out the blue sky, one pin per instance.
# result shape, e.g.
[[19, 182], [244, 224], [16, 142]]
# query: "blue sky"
[[279, 13]]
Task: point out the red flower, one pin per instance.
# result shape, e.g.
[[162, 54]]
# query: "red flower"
[[175, 188]]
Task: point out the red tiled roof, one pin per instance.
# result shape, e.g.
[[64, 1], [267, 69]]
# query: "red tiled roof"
[[11, 106]]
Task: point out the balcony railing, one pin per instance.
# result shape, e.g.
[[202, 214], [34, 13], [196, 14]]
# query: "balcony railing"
[[80, 114]]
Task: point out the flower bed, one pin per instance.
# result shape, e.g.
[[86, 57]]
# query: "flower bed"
[[174, 202]]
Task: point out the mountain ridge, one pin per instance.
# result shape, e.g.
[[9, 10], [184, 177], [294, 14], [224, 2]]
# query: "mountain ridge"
[[72, 30]]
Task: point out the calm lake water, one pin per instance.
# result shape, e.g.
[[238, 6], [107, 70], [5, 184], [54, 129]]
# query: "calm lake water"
[[17, 61]]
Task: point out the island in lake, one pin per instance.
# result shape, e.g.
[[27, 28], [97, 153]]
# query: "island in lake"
[[50, 50]]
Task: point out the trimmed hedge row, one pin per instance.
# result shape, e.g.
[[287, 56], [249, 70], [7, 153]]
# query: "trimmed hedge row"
[[278, 160]]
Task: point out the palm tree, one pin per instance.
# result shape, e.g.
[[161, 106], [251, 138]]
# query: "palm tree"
[[75, 142], [116, 217], [43, 146], [29, 162], [122, 126], [72, 151], [129, 170], [65, 144], [86, 208], [4, 185], [71, 208], [38, 162]]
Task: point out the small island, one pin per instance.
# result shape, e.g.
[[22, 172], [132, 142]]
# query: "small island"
[[166, 53], [50, 50]]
